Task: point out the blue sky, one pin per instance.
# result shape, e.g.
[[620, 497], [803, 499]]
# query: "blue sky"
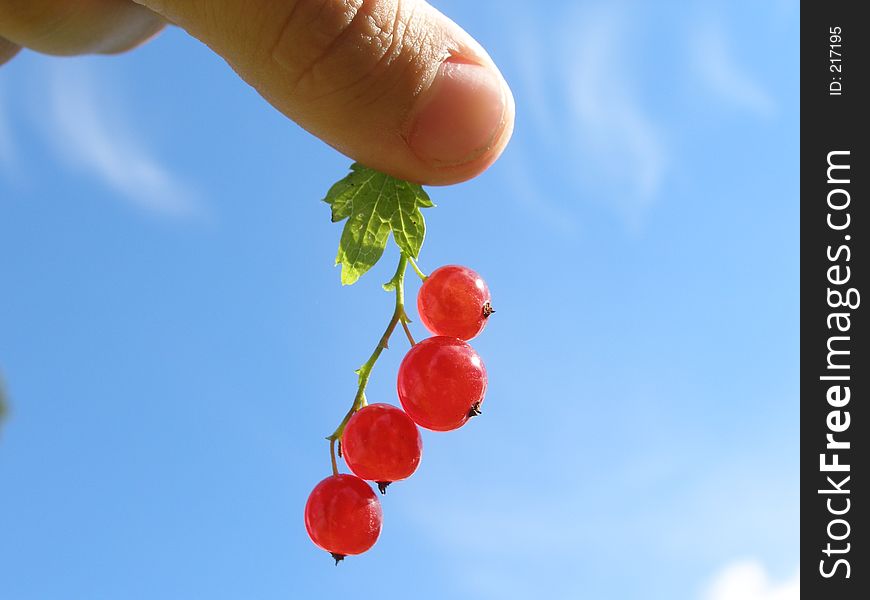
[[176, 343]]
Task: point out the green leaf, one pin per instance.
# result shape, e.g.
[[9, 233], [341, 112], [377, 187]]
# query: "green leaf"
[[375, 205]]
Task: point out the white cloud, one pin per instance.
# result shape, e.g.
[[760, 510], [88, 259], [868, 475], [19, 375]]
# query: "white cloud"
[[749, 580], [576, 84], [531, 60], [717, 68], [573, 515], [526, 177], [619, 136], [90, 132]]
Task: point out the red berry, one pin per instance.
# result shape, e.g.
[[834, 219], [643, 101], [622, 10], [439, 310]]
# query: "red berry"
[[343, 516], [381, 443], [454, 301], [441, 383]]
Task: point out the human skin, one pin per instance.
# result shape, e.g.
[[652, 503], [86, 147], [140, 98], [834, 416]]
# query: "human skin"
[[393, 84]]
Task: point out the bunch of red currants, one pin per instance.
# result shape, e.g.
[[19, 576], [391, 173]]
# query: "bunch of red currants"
[[441, 384]]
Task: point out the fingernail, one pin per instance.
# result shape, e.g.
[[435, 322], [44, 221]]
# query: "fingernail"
[[460, 117]]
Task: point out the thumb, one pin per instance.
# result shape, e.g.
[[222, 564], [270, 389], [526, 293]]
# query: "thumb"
[[393, 84]]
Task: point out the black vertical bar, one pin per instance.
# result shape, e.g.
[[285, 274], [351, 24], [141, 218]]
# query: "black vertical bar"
[[835, 368]]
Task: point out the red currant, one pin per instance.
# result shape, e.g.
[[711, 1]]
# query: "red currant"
[[343, 516], [441, 383], [381, 443], [454, 301]]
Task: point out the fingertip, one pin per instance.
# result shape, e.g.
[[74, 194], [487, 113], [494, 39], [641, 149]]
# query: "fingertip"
[[462, 124], [146, 31], [445, 131], [394, 85], [451, 174]]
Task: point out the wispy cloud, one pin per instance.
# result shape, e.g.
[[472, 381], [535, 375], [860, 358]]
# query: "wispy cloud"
[[90, 131], [611, 122], [749, 580], [717, 68], [699, 517], [576, 82]]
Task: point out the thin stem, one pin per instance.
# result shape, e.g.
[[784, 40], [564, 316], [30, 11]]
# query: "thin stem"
[[364, 372], [408, 332], [332, 456], [417, 270]]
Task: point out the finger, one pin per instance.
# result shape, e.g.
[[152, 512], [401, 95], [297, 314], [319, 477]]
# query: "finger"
[[393, 84], [7, 50], [63, 27]]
